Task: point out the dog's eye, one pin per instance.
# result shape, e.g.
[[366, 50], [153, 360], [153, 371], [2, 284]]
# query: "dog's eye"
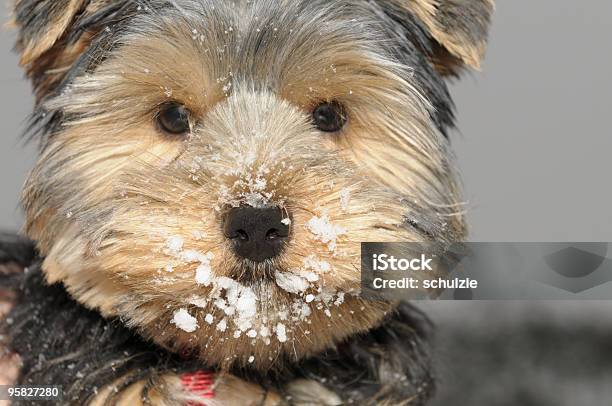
[[173, 118], [329, 116]]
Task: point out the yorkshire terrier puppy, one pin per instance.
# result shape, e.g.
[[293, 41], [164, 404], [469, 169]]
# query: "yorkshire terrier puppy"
[[208, 169]]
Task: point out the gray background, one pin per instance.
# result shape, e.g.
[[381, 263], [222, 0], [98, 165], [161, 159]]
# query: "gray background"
[[534, 151], [16, 158], [536, 139]]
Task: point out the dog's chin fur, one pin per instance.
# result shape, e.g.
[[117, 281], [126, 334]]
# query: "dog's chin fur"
[[130, 219]]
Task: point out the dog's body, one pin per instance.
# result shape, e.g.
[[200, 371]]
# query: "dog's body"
[[63, 343], [208, 170]]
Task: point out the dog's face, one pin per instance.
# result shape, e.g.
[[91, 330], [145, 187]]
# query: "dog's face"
[[209, 168]]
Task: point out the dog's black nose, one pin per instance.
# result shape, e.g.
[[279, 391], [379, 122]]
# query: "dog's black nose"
[[257, 233]]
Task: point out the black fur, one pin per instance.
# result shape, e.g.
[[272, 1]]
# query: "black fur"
[[413, 47], [389, 362], [63, 343], [14, 248]]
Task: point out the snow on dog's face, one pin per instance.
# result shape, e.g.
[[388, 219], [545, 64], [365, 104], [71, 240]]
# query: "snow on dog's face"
[[209, 168]]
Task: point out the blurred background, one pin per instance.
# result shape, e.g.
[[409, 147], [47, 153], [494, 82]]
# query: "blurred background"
[[534, 149]]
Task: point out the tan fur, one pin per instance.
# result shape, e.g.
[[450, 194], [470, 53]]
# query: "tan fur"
[[167, 390], [457, 38], [46, 55], [34, 47]]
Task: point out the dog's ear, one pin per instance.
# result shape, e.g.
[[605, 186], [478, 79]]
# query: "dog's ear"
[[53, 34], [458, 27]]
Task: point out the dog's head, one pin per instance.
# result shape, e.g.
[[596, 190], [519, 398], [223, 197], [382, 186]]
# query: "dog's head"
[[209, 168]]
